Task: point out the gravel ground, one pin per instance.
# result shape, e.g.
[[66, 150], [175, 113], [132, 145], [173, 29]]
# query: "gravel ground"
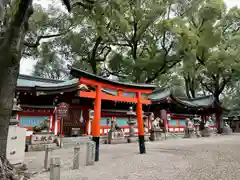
[[214, 158]]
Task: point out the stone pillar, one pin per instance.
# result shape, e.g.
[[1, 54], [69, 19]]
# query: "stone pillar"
[[131, 124], [197, 130], [76, 157], [48, 149], [90, 157], [109, 137], [55, 165]]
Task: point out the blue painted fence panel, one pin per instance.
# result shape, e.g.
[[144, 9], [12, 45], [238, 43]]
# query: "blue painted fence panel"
[[31, 121]]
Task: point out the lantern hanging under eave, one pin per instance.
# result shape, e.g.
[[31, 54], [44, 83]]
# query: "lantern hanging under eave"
[[168, 117], [151, 116], [168, 100]]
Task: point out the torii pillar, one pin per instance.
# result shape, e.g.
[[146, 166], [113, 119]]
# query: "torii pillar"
[[96, 121], [140, 124]]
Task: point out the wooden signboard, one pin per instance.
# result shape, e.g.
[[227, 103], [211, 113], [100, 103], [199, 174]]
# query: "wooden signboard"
[[62, 110]]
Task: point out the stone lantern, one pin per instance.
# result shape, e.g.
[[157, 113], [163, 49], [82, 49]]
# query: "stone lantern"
[[131, 122], [16, 108]]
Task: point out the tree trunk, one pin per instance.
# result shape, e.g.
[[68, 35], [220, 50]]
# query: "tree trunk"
[[11, 46], [192, 89], [187, 87], [8, 81]]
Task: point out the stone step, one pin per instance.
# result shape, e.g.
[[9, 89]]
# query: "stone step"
[[41, 147], [73, 141]]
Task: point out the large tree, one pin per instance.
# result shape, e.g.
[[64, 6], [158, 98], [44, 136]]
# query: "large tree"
[[84, 46], [132, 40], [42, 43], [210, 46], [144, 41], [14, 26]]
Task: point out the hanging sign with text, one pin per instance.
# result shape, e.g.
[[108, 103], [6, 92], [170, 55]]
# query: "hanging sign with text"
[[62, 110]]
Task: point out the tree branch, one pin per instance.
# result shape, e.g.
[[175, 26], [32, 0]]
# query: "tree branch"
[[119, 44], [37, 43], [200, 60], [87, 5], [206, 86], [224, 83], [114, 73]]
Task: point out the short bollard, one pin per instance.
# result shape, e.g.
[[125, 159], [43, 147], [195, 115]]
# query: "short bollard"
[[90, 158], [48, 149], [76, 157], [55, 165]]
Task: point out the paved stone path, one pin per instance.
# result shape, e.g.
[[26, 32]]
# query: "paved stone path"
[[215, 158]]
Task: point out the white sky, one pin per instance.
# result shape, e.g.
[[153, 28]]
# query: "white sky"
[[26, 65]]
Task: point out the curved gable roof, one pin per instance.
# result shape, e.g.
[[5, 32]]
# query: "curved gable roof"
[[163, 93], [32, 81], [39, 83], [80, 73]]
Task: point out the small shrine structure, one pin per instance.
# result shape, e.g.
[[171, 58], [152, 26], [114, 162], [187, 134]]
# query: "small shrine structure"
[[175, 110]]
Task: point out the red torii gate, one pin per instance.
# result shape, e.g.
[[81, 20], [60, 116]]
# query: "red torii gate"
[[98, 95]]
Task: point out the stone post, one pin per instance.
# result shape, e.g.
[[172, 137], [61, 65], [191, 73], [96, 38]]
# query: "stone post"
[[131, 124], [110, 137], [48, 149], [90, 157], [55, 165], [76, 157]]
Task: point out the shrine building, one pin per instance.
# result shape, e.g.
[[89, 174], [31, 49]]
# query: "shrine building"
[[167, 106], [39, 98]]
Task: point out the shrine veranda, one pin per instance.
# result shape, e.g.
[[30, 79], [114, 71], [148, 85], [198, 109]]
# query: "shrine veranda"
[[39, 97]]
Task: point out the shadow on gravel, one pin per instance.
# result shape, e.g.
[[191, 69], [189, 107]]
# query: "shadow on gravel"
[[175, 151]]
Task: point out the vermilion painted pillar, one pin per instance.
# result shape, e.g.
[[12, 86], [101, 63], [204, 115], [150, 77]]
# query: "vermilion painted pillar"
[[96, 121], [140, 124], [87, 126], [149, 124], [18, 118]]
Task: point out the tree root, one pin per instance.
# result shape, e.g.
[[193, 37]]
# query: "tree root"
[[8, 171]]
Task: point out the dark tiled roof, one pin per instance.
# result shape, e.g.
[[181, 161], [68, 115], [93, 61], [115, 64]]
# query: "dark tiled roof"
[[41, 84], [25, 81], [162, 94], [80, 73], [233, 113], [31, 81]]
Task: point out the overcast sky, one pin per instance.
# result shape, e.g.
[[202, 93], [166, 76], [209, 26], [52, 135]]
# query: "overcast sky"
[[27, 64]]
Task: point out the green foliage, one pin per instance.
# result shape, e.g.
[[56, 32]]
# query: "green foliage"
[[190, 42], [145, 41], [50, 65], [210, 51]]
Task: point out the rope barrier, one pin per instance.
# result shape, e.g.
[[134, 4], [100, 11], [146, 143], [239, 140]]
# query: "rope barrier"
[[62, 163], [73, 157]]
